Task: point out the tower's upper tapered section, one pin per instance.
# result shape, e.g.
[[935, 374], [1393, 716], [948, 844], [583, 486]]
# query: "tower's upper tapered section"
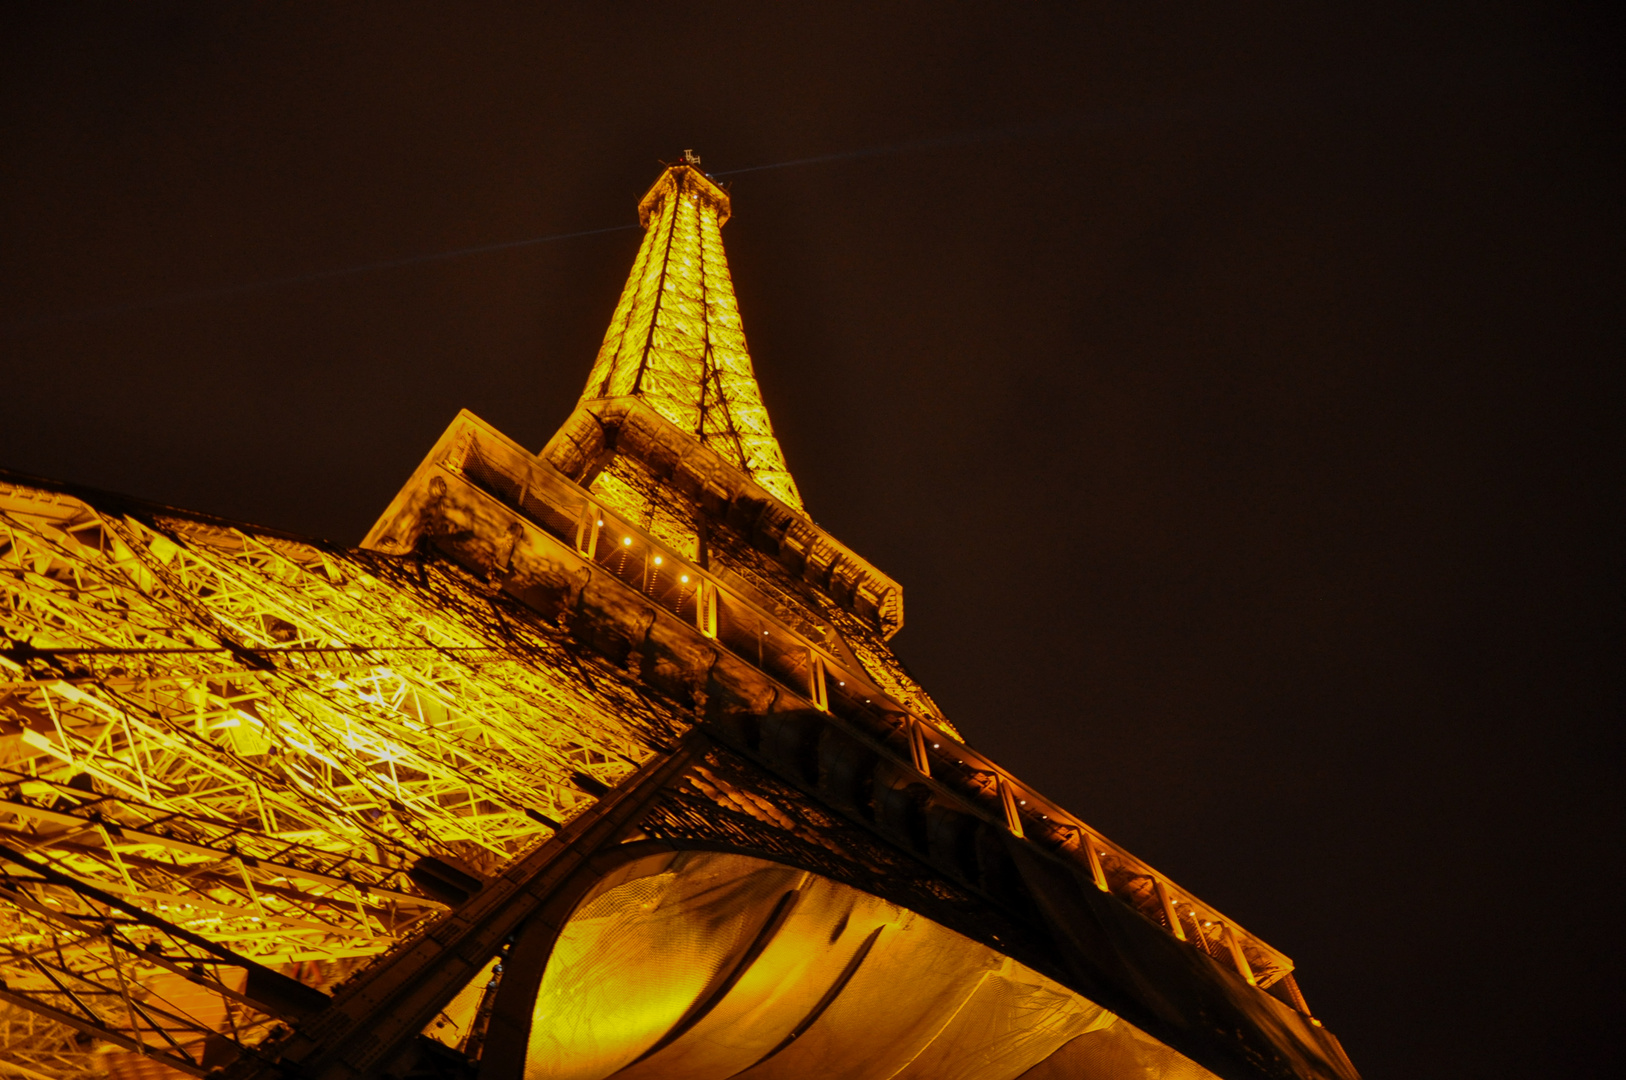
[[676, 340]]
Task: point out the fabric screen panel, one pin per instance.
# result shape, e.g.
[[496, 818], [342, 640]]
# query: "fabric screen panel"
[[631, 962], [821, 931], [1120, 1051], [1015, 1020], [911, 983], [709, 966]]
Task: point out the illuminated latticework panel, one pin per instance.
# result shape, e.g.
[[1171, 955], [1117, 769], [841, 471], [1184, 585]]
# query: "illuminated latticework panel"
[[217, 737], [589, 762], [676, 340]]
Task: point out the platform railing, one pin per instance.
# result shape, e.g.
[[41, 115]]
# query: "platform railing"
[[723, 611]]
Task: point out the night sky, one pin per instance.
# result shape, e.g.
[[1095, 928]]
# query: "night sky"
[[1233, 388]]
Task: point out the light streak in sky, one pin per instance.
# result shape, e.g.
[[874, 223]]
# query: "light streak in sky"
[[1058, 126], [1061, 125], [221, 292]]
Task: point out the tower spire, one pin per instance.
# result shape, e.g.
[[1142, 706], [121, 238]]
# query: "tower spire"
[[675, 339]]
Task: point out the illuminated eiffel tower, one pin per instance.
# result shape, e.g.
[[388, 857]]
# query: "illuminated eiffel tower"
[[589, 762]]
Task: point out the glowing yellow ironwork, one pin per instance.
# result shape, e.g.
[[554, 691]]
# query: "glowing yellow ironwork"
[[252, 739], [676, 339], [228, 755]]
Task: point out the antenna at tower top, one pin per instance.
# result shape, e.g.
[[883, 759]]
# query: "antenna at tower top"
[[691, 158]]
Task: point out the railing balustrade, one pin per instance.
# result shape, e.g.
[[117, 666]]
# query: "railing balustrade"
[[721, 611]]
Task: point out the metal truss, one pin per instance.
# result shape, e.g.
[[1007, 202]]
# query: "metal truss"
[[676, 340], [227, 756], [712, 793], [268, 801]]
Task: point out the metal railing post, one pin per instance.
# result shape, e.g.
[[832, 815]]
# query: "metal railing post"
[[1013, 819]]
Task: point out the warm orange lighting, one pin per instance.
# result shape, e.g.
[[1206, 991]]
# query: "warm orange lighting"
[[399, 736], [924, 1002], [477, 741], [676, 340]]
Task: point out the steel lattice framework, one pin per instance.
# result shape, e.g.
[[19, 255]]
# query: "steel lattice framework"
[[222, 737], [676, 339], [284, 807]]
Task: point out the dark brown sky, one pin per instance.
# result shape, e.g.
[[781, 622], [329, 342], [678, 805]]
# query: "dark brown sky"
[[1232, 387]]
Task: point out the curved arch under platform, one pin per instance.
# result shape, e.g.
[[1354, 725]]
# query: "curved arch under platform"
[[704, 965]]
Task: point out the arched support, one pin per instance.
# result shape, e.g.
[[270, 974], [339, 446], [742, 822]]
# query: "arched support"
[[503, 1052]]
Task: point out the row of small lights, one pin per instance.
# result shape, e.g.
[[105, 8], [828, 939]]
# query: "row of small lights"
[[627, 542]]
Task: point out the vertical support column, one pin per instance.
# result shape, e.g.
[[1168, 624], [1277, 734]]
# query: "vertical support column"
[[1169, 913], [1238, 957], [705, 608], [1007, 798], [1096, 870], [458, 456], [587, 527], [818, 690], [917, 747], [1296, 994]]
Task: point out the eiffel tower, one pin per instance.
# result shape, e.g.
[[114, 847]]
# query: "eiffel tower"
[[589, 762]]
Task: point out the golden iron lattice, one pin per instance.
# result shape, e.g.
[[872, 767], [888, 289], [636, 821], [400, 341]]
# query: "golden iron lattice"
[[259, 738], [266, 800], [676, 340]]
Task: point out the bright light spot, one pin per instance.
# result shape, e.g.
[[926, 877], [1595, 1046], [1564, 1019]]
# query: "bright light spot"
[[685, 579], [626, 541], [657, 560], [601, 521]]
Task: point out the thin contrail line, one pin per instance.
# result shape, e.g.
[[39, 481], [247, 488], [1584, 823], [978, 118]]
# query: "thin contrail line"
[[1009, 132], [1006, 133], [302, 279]]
